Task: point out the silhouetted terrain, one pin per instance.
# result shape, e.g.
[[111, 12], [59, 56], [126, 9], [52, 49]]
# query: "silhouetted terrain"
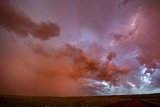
[[151, 100]]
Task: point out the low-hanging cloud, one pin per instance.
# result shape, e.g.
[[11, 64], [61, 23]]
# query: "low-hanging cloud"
[[14, 20], [81, 66], [58, 72]]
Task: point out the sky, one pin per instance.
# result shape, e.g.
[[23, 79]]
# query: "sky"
[[79, 47]]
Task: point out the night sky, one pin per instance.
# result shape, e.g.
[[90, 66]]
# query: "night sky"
[[79, 47]]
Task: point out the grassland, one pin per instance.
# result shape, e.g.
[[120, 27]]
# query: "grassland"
[[86, 101]]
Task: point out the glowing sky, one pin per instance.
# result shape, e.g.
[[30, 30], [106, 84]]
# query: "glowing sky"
[[79, 47]]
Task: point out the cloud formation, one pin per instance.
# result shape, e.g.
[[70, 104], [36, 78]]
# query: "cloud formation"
[[149, 38], [112, 51], [16, 21]]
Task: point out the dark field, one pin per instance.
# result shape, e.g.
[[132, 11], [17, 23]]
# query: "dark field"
[[151, 100]]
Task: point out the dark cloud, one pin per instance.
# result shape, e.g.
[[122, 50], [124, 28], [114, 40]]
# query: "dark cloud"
[[84, 65], [14, 20], [111, 72], [111, 55]]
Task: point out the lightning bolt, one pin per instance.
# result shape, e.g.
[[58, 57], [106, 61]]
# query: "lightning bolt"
[[134, 21]]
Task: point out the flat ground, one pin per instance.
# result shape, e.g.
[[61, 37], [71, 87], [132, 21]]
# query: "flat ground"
[[151, 100]]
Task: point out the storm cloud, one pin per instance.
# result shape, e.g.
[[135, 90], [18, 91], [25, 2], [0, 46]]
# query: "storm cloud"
[[18, 22], [105, 47]]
